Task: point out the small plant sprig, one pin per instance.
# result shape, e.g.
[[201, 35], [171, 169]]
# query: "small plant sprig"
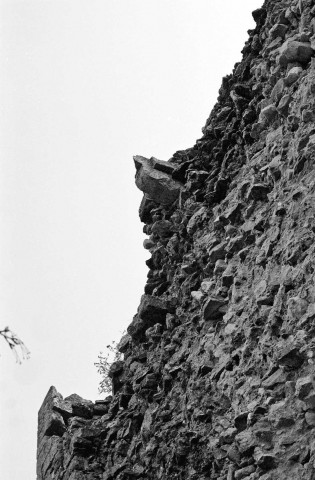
[[105, 361], [18, 347]]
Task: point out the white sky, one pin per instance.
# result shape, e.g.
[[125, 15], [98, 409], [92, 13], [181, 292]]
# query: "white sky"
[[84, 86]]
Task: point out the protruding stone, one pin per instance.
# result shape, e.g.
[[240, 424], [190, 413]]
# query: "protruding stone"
[[151, 310], [124, 343], [156, 183]]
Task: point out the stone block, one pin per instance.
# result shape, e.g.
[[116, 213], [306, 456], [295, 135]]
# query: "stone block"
[[158, 185], [293, 51]]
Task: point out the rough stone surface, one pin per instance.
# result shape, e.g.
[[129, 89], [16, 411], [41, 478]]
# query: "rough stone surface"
[[217, 375]]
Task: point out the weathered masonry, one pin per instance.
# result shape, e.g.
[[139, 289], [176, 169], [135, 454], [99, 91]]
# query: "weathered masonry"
[[217, 379]]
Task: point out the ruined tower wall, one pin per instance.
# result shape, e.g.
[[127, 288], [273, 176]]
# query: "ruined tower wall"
[[217, 379]]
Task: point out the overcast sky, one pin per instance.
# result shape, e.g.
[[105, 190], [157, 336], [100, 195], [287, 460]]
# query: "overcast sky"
[[84, 86]]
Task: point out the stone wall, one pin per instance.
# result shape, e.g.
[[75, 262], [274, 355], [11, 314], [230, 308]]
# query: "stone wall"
[[218, 377]]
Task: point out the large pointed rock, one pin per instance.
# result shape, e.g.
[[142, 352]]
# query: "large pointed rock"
[[153, 177], [50, 422]]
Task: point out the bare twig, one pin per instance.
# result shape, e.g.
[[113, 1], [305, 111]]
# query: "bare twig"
[[18, 348]]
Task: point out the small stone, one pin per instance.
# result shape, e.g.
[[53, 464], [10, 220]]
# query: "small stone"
[[240, 421], [293, 75], [116, 368], [227, 436], [218, 252], [309, 400], [268, 114], [148, 244], [162, 228], [196, 219], [197, 295], [290, 358], [244, 472], [246, 441], [214, 308], [307, 116], [258, 191], [304, 386], [278, 30], [152, 309], [276, 378], [284, 104], [310, 418], [124, 343], [228, 277], [277, 91], [297, 307], [220, 266], [266, 461]]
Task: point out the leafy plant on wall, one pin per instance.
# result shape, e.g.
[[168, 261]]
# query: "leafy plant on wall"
[[105, 361]]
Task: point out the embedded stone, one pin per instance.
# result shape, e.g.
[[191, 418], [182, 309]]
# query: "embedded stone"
[[116, 368], [218, 252], [152, 309], [148, 244], [297, 306], [304, 386], [310, 418], [268, 114], [284, 105], [292, 75], [80, 407], [54, 425], [277, 90], [197, 217], [266, 461], [214, 308], [290, 357], [293, 51], [146, 206], [278, 377], [278, 30], [162, 228], [246, 441], [309, 400], [244, 472], [258, 191], [124, 343], [220, 267]]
